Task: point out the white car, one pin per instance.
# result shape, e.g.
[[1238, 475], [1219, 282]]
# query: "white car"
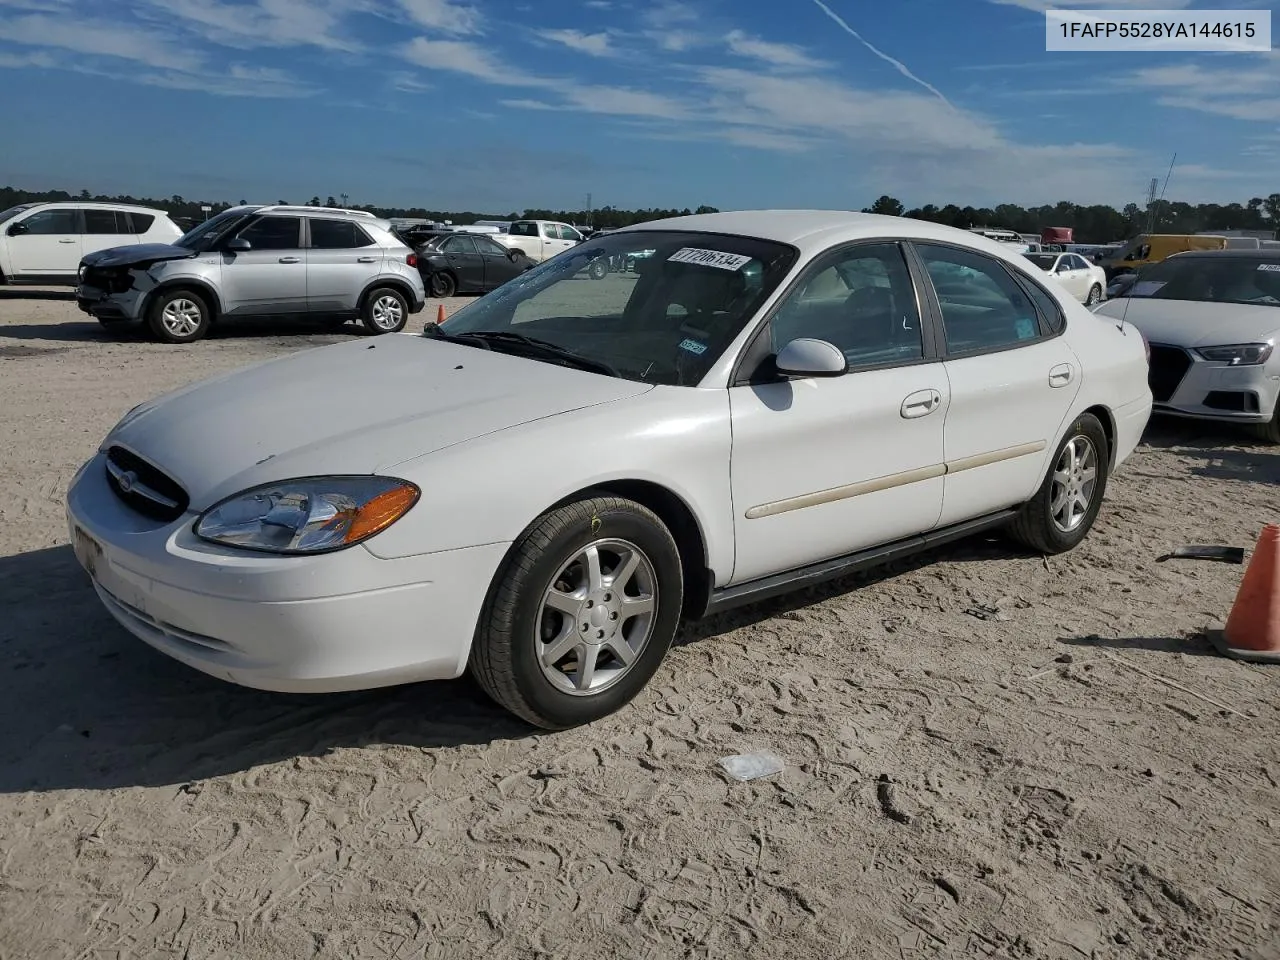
[[544, 485], [1212, 318], [1085, 281], [43, 242]]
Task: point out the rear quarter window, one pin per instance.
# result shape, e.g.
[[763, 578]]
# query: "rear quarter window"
[[140, 222]]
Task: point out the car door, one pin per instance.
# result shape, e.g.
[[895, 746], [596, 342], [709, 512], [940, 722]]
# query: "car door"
[[341, 260], [824, 467], [1012, 378], [46, 243], [1076, 276], [104, 229], [271, 276], [498, 265], [464, 260]]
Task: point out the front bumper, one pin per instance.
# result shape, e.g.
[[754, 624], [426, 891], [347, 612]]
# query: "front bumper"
[[1184, 385], [109, 307], [341, 621]]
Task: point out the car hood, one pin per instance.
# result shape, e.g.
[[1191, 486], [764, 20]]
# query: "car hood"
[[137, 253], [356, 407], [1184, 323]]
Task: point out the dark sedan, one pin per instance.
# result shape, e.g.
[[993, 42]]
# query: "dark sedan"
[[468, 263]]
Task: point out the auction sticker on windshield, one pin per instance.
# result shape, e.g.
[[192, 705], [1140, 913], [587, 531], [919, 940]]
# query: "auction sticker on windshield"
[[709, 258]]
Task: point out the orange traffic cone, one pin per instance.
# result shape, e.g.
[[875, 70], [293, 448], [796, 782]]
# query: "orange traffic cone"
[[440, 315], [1253, 627]]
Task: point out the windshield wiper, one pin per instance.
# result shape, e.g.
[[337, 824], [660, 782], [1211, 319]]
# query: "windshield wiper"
[[543, 348]]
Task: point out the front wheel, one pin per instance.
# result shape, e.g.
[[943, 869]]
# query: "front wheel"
[[581, 613], [1063, 510], [598, 269], [385, 311], [1095, 295], [179, 316], [1269, 432]]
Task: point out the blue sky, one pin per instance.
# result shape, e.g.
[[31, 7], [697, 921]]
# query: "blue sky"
[[499, 105]]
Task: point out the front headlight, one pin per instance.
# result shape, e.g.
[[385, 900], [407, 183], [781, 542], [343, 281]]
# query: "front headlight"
[[308, 515], [1238, 354]]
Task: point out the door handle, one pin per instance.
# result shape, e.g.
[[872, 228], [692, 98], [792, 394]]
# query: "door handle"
[[288, 259], [66, 241], [921, 404], [1061, 375], [366, 259]]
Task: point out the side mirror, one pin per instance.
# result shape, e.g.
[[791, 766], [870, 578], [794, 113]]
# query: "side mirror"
[[238, 245], [18, 229], [806, 357]]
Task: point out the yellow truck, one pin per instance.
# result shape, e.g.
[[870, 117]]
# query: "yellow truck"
[[1154, 247]]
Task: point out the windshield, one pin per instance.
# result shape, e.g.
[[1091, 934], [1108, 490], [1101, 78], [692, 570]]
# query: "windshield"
[[211, 231], [655, 306], [1211, 280], [1042, 260], [14, 211]]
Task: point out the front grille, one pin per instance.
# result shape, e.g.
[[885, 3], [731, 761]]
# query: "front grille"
[[111, 280], [1168, 366], [144, 487]]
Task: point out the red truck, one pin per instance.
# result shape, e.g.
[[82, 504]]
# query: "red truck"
[[1056, 235]]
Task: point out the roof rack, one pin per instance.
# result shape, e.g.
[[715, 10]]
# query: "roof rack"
[[303, 208]]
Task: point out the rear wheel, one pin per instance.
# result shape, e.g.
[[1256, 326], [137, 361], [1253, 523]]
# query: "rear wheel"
[[598, 269], [179, 316], [1063, 510], [1095, 295], [385, 310], [581, 614], [443, 285]]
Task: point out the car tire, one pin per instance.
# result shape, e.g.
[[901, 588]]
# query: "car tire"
[[529, 616], [179, 316], [384, 310], [598, 269], [1269, 432], [1063, 510], [1095, 296], [443, 285]]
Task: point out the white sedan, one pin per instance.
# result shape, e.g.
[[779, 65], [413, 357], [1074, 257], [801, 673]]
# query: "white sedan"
[[1213, 320], [544, 486], [1085, 281]]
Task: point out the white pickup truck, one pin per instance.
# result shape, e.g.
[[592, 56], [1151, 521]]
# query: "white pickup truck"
[[539, 239]]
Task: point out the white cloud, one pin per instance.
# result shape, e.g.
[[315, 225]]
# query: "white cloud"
[[407, 82], [19, 61], [593, 44], [1245, 90], [1040, 6], [775, 54], [445, 16], [471, 60], [263, 23], [99, 38]]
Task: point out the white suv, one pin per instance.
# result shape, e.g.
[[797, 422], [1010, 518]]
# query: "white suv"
[[43, 242]]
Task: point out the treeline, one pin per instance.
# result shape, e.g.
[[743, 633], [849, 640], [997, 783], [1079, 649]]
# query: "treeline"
[[1097, 223]]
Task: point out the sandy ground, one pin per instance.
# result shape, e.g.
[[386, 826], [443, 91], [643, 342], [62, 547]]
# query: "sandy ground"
[[988, 754]]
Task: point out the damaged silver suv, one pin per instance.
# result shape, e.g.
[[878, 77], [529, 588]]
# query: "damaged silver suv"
[[253, 261]]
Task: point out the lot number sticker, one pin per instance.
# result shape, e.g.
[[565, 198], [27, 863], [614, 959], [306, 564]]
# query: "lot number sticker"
[[1270, 267], [709, 258]]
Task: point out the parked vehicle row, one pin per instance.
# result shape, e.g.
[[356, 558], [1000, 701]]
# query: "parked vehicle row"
[[763, 401], [258, 261], [43, 242]]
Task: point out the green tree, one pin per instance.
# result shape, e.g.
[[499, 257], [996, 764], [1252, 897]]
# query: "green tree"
[[887, 206]]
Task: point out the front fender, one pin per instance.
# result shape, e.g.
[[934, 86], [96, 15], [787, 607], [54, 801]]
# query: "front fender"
[[204, 287], [678, 438]]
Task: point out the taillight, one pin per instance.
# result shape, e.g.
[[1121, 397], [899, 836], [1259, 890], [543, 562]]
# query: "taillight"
[[411, 259]]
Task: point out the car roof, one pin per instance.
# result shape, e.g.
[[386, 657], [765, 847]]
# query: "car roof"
[[813, 229], [94, 205]]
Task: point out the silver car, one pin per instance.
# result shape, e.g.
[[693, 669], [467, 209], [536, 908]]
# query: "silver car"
[[252, 261]]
